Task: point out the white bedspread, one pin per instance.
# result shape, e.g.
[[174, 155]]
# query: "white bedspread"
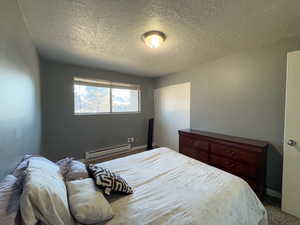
[[172, 189]]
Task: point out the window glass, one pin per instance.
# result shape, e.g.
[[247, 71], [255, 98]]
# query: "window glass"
[[125, 100], [99, 96], [91, 99]]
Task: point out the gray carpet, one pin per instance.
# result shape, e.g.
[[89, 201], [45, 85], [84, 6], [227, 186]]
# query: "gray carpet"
[[277, 217]]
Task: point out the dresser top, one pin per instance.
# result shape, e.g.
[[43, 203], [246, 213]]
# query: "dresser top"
[[239, 140]]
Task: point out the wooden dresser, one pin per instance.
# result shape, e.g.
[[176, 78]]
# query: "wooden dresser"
[[243, 157]]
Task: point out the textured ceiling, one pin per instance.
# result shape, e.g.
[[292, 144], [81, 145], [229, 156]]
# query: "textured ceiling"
[[107, 33]]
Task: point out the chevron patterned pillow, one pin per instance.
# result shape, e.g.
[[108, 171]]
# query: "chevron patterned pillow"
[[108, 180]]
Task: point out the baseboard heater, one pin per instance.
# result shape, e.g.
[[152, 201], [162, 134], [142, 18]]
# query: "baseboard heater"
[[107, 151]]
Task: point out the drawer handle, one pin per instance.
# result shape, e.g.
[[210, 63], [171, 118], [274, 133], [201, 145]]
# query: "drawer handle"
[[232, 153], [230, 164]]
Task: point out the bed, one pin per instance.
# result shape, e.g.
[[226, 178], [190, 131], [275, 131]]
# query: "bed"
[[173, 189]]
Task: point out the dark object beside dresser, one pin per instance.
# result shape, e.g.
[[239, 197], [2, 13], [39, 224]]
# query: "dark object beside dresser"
[[243, 157]]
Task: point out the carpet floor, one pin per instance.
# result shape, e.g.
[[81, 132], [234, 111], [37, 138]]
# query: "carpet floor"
[[277, 217]]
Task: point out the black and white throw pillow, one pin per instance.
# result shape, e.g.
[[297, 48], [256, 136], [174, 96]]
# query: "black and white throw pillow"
[[109, 180]]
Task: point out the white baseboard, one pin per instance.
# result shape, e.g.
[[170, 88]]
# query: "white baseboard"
[[143, 147], [273, 193], [140, 147], [136, 148]]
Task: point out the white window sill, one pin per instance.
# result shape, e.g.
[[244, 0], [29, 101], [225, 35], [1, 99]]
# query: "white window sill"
[[108, 113]]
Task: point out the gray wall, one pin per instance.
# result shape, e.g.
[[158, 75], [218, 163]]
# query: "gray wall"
[[243, 95], [20, 127], [65, 134]]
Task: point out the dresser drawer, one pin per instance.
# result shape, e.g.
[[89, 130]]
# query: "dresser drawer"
[[195, 143], [195, 153], [242, 157], [234, 153], [252, 183], [233, 167]]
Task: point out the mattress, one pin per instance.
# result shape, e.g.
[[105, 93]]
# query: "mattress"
[[173, 189]]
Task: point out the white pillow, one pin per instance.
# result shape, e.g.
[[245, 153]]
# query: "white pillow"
[[87, 203], [44, 165], [44, 196]]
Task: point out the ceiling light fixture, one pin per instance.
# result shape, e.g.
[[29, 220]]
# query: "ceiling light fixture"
[[154, 39]]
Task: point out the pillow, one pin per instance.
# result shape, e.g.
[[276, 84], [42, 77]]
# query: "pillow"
[[21, 167], [64, 165], [10, 191], [18, 172], [44, 165], [109, 180], [87, 203], [44, 196], [77, 170]]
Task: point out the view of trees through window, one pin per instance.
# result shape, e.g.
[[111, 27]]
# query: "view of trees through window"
[[90, 99], [125, 100]]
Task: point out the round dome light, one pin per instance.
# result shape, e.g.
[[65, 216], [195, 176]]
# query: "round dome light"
[[154, 39]]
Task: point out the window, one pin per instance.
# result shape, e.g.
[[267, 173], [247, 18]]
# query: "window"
[[97, 96]]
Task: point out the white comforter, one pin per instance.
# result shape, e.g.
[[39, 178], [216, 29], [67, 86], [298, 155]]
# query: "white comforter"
[[172, 189]]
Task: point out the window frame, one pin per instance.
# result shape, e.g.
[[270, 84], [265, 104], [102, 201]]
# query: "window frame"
[[108, 84]]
